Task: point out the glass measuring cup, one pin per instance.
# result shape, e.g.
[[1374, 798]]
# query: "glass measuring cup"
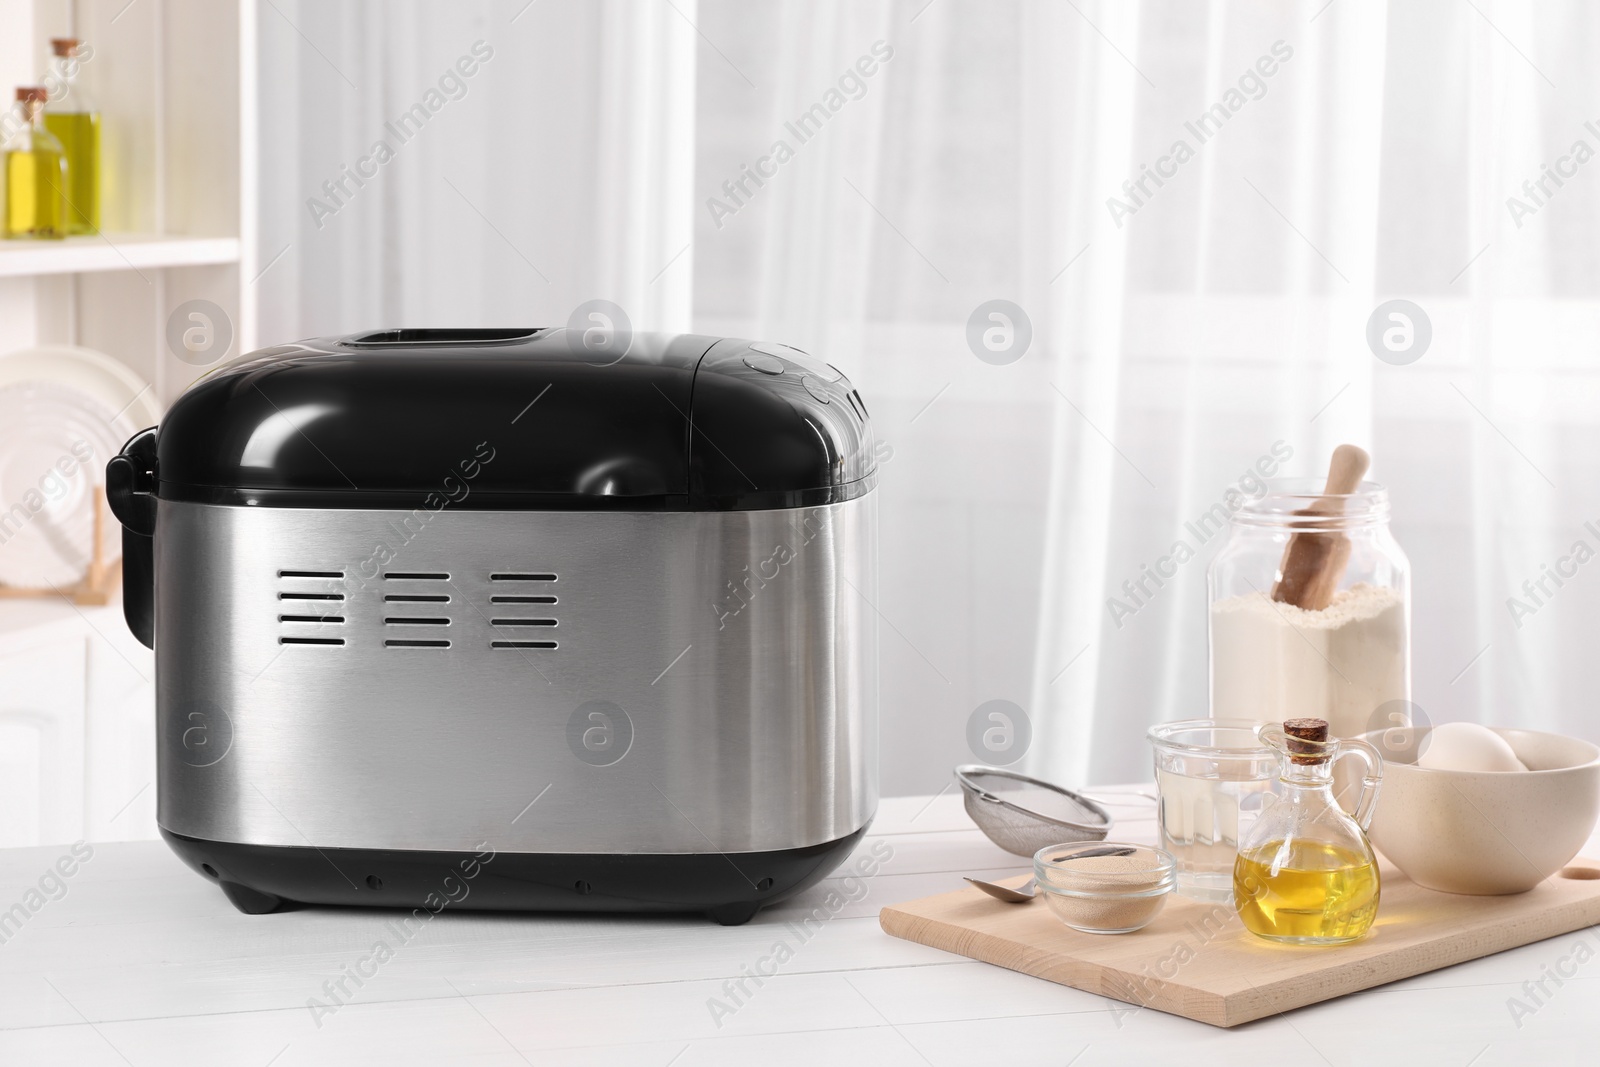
[[1212, 780]]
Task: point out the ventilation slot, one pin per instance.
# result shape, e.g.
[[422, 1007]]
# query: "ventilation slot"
[[312, 602], [530, 598], [858, 407], [406, 598], [416, 644], [411, 620], [415, 575], [302, 607]]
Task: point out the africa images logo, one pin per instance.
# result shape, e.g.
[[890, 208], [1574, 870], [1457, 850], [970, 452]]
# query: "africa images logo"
[[599, 733], [202, 733]]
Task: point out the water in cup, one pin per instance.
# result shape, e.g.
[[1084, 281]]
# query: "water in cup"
[[1213, 777], [1202, 820]]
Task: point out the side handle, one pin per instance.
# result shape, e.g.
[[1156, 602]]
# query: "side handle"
[[1371, 780], [131, 492]]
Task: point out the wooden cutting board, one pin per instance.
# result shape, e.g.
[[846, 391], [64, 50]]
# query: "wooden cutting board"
[[1198, 961]]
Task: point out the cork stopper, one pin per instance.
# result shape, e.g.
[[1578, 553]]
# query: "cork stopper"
[[64, 46], [1305, 739], [28, 94]]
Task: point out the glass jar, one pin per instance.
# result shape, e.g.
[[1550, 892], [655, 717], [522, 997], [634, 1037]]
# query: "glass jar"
[[1348, 662]]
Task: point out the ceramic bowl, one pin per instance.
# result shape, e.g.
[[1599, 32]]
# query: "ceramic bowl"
[[1486, 833]]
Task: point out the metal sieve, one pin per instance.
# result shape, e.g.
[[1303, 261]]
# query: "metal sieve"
[[1023, 815]]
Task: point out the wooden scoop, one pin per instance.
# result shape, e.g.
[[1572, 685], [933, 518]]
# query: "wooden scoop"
[[1315, 559]]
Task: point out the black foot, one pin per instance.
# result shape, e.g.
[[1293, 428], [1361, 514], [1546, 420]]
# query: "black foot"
[[733, 914], [250, 901]]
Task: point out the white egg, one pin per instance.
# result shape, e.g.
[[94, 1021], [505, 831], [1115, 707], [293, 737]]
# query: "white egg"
[[1466, 746]]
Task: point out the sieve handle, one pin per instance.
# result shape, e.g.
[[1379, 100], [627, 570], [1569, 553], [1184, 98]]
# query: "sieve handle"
[[1112, 798]]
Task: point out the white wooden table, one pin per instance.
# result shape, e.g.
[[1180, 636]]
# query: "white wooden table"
[[142, 962]]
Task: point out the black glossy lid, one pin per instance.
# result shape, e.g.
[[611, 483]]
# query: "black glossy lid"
[[491, 419]]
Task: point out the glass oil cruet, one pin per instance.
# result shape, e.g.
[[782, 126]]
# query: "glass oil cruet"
[[1306, 874]]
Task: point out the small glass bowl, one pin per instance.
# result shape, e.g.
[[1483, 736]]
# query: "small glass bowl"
[[1105, 887]]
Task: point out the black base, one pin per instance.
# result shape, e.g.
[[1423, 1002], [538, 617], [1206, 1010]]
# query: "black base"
[[728, 889]]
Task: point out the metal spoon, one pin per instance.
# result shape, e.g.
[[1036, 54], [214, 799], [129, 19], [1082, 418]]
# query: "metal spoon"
[[1029, 889], [1020, 895]]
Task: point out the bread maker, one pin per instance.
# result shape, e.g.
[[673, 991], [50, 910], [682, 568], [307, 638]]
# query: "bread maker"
[[491, 619]]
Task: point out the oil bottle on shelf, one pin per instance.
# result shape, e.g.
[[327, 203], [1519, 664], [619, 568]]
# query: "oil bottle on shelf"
[[36, 175], [76, 124]]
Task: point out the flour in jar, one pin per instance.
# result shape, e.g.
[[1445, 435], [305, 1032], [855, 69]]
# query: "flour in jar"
[[1272, 661]]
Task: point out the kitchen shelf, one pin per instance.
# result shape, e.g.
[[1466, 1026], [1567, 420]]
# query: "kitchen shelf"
[[176, 82], [113, 251]]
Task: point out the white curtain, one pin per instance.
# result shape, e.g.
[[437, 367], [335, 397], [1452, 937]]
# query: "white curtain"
[[1227, 313], [592, 157], [557, 172]]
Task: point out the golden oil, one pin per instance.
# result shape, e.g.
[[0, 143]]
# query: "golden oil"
[[33, 194], [79, 134], [1306, 892], [36, 176]]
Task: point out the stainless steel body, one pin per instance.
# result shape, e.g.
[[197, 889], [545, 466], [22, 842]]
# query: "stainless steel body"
[[734, 652]]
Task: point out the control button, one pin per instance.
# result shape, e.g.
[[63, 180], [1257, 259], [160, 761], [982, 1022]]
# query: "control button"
[[806, 361], [764, 364], [814, 387]]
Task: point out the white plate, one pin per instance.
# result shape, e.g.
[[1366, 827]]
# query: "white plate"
[[107, 380], [64, 412]]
